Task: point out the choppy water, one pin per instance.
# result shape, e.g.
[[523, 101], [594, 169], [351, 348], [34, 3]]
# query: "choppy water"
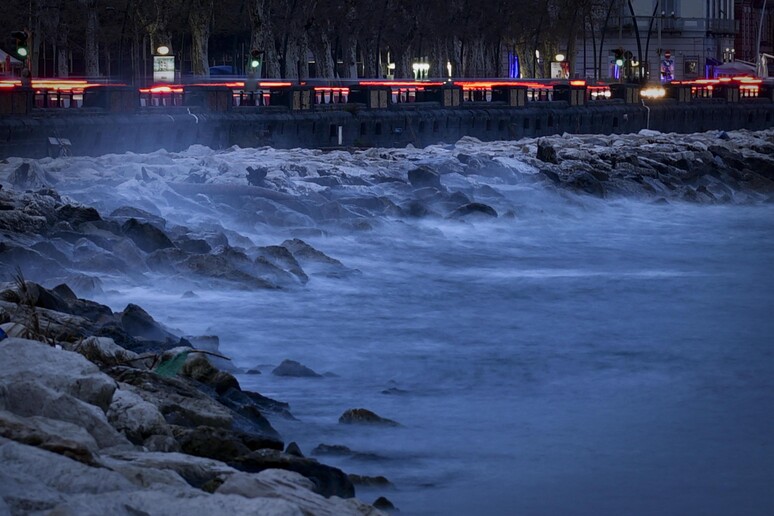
[[613, 358]]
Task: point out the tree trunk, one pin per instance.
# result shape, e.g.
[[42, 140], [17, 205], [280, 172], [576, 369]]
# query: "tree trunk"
[[91, 56], [370, 61], [436, 59], [262, 36], [403, 63], [200, 21], [323, 58], [62, 52], [349, 56]]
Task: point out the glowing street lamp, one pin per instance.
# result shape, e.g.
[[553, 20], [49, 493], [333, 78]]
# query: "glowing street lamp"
[[163, 65], [420, 70]]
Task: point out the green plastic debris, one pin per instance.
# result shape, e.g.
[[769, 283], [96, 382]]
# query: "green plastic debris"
[[171, 367]]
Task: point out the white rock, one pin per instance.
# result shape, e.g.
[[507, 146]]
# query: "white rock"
[[51, 430], [135, 417], [62, 371], [34, 468], [29, 398], [292, 486], [104, 350]]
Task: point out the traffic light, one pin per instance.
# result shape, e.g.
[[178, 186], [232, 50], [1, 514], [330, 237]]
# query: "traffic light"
[[21, 43], [619, 57], [255, 59]]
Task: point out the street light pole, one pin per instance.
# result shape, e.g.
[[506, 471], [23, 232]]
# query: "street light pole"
[[759, 60]]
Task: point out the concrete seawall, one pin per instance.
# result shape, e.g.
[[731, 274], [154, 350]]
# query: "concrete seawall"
[[94, 131]]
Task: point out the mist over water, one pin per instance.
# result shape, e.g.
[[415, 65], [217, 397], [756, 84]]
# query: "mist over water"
[[584, 357]]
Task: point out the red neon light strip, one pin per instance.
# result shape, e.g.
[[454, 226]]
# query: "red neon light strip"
[[398, 84]]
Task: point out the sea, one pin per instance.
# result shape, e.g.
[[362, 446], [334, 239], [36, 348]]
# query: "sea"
[[578, 357]]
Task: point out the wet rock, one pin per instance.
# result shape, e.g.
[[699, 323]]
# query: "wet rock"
[[273, 274], [587, 183], [63, 438], [137, 419], [61, 371], [316, 262], [394, 391], [546, 152], [77, 214], [552, 175], [221, 443], [193, 245], [139, 324], [256, 175], [361, 416], [293, 486], [416, 209], [294, 369], [198, 367], [148, 237], [29, 176], [328, 481], [370, 481], [294, 449], [220, 269], [282, 258], [104, 352], [31, 398], [473, 209], [252, 405], [124, 213], [178, 401], [424, 176], [329, 181], [40, 479], [384, 504], [332, 449]]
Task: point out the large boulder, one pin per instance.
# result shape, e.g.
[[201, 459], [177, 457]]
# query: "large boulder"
[[56, 436], [77, 214], [148, 237], [33, 479], [585, 182], [294, 369], [314, 261], [473, 209], [30, 398], [29, 176], [296, 487], [220, 443], [198, 367], [178, 401], [61, 371], [104, 352], [139, 324], [136, 418], [361, 416], [328, 481], [424, 176], [196, 471]]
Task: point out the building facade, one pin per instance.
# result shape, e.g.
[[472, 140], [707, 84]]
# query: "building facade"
[[665, 40]]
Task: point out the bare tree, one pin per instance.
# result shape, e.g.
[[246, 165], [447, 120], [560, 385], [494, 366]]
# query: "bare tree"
[[200, 22], [91, 52]]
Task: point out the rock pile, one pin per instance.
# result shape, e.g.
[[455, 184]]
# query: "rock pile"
[[703, 168], [91, 426], [55, 239]]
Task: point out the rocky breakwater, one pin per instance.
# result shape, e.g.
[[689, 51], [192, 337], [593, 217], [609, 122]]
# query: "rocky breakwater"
[[708, 168], [55, 239], [88, 426]]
